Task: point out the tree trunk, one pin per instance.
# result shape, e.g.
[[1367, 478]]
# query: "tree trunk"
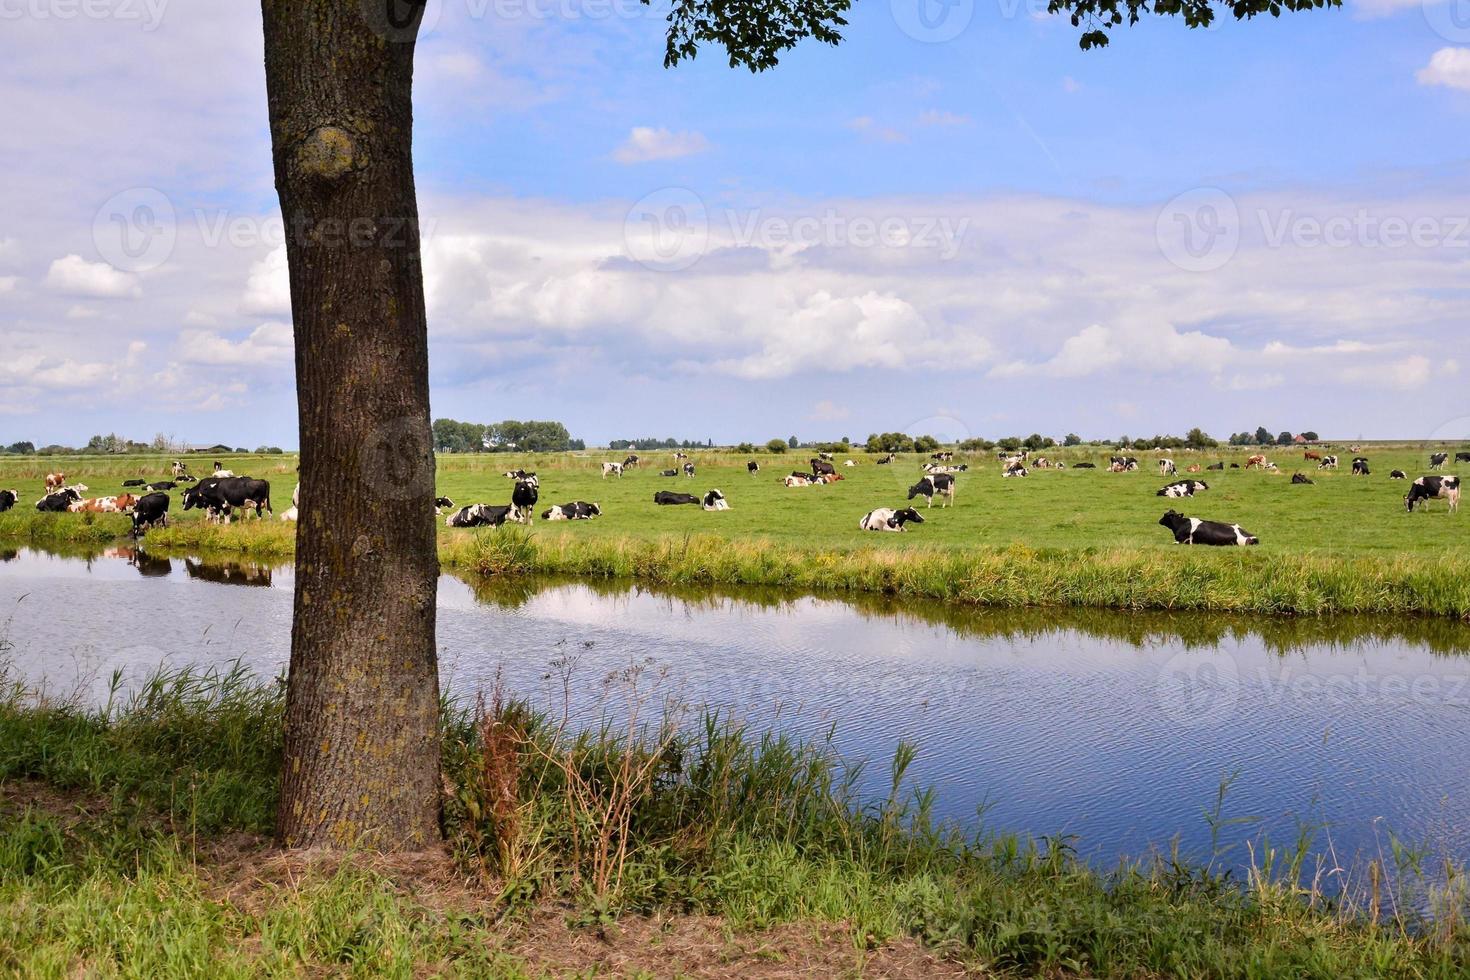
[[361, 763]]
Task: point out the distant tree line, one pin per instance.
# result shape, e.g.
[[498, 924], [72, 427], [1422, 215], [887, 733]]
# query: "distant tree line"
[[113, 444], [669, 443], [452, 436], [1263, 437]]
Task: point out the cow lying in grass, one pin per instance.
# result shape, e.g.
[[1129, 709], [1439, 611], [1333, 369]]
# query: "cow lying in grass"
[[888, 519], [576, 510], [1192, 530], [1183, 488], [8, 499], [714, 500], [665, 498], [483, 515]]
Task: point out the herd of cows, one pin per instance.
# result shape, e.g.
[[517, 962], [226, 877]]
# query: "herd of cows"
[[221, 494]]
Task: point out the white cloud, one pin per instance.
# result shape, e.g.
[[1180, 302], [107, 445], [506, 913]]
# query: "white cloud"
[[870, 130], [827, 410], [942, 117], [645, 143], [75, 276], [1449, 67], [268, 288], [267, 344], [1070, 85]]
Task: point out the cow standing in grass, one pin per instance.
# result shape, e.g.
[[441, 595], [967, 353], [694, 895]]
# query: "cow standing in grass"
[[1428, 488]]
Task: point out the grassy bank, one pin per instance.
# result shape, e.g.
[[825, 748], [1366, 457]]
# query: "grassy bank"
[[132, 844], [1243, 581]]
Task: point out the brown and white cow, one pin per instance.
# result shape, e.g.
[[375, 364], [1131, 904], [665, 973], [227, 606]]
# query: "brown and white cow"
[[1255, 461], [54, 481]]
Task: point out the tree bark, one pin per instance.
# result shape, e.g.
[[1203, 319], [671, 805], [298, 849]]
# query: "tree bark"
[[361, 762]]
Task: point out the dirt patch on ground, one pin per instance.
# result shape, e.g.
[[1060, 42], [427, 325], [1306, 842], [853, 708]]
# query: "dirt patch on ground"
[[250, 873]]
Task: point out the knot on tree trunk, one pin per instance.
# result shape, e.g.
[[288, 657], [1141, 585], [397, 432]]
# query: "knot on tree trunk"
[[329, 153]]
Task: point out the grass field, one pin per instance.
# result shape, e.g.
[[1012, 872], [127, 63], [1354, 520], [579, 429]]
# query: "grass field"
[[134, 842], [1069, 537]]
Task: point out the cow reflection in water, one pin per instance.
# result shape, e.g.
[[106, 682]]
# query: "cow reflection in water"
[[147, 565], [228, 572]]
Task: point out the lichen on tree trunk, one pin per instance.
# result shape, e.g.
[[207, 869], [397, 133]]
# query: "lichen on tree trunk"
[[361, 763]]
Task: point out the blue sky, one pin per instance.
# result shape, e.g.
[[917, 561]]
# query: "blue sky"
[[985, 234]]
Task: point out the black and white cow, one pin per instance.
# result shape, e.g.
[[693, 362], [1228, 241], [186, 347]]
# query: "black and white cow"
[[576, 510], [885, 460], [1084, 466], [441, 504], [666, 497], [523, 499], [1398, 475], [1122, 464], [518, 474], [632, 460], [940, 483], [1360, 467], [1327, 463], [613, 469], [1216, 466], [826, 456], [799, 480], [58, 502], [1183, 488], [1437, 460], [8, 499], [1016, 469], [219, 497], [133, 483], [1428, 488], [160, 486], [752, 467], [689, 470], [482, 515], [1301, 478], [1192, 530], [821, 466], [714, 500], [888, 519], [669, 473], [1462, 457], [1167, 467], [151, 510]]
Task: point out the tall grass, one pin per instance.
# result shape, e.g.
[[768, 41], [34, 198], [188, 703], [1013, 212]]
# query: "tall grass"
[[686, 812]]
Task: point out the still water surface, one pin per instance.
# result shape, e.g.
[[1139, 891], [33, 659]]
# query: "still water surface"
[[1116, 728]]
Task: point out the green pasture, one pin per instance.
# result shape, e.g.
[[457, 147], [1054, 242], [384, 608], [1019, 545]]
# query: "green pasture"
[[1339, 514]]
